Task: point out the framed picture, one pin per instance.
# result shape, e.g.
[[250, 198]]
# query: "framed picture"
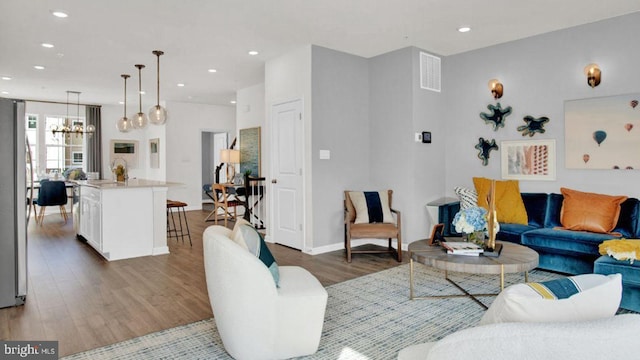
[[154, 153], [250, 151], [602, 133], [126, 150], [528, 159], [436, 234]]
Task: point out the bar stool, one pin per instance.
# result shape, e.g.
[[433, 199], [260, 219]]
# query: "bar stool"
[[172, 229]]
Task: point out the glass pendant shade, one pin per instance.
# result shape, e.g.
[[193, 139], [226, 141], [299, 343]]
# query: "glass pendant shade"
[[157, 115], [139, 120], [91, 128], [124, 125]]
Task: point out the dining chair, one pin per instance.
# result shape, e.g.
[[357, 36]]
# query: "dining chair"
[[222, 199], [51, 193]]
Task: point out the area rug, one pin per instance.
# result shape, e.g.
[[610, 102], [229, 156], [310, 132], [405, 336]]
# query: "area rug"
[[367, 318]]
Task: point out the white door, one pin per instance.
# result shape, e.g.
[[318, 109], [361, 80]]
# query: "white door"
[[286, 180], [219, 143]]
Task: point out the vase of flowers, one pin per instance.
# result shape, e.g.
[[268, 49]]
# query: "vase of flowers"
[[472, 222]]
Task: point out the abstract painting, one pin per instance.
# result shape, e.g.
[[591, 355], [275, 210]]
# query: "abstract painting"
[[602, 133], [529, 159], [250, 151]]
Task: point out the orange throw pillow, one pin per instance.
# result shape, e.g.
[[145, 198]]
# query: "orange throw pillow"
[[589, 212], [509, 205]]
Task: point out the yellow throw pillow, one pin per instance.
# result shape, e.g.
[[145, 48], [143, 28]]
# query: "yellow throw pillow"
[[509, 205], [589, 211]]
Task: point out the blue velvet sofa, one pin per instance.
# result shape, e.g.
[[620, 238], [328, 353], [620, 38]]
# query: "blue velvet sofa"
[[566, 251]]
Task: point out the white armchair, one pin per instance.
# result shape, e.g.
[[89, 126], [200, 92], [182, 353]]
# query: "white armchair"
[[256, 319]]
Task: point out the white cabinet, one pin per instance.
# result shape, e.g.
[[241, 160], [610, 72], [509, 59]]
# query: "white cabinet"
[[123, 221], [91, 216]]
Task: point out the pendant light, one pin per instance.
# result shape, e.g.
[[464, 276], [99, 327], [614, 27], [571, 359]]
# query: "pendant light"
[[139, 120], [158, 114], [124, 124]]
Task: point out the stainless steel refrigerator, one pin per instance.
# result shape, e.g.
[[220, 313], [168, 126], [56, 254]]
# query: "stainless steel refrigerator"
[[14, 209]]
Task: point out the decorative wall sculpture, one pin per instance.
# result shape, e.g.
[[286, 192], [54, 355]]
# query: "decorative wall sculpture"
[[497, 116], [533, 125], [484, 148], [600, 133]]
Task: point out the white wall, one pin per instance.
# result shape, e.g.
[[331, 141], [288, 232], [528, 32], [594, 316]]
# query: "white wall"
[[539, 74], [184, 126], [288, 77], [250, 113]]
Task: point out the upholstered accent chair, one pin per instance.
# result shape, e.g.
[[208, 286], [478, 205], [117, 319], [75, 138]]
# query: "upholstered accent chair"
[[362, 226], [255, 318]]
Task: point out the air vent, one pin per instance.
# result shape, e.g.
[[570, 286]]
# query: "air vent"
[[429, 72]]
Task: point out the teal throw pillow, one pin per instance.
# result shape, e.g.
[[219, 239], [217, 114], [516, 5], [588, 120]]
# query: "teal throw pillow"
[[258, 247]]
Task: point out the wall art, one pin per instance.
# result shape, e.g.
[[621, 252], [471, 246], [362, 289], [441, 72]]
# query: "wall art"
[[497, 116], [484, 148], [528, 159], [154, 153], [602, 133], [533, 125], [250, 151]]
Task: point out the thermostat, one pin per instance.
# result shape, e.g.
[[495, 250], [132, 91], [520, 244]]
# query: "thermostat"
[[426, 137]]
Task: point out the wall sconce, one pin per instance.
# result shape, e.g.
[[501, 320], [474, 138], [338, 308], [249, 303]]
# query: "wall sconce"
[[496, 88], [593, 74]]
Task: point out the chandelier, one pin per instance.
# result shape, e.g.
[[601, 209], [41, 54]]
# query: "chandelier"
[[73, 127]]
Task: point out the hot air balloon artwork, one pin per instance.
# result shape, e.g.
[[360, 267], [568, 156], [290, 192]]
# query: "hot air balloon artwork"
[[586, 158], [599, 136], [607, 129]]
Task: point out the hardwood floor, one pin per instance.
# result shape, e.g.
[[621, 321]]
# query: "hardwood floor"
[[83, 301]]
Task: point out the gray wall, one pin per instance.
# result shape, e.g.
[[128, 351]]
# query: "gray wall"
[[340, 113], [539, 74]]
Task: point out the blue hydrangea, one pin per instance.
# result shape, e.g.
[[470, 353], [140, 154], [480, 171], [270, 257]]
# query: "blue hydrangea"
[[470, 220]]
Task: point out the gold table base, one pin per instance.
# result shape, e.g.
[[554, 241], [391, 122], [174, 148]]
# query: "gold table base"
[[465, 292]]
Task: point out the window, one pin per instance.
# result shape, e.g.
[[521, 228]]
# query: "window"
[[54, 152]]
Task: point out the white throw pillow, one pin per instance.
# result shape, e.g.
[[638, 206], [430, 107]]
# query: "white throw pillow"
[[236, 234], [468, 197], [598, 297]]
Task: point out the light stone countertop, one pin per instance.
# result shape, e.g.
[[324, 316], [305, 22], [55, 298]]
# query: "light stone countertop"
[[131, 183]]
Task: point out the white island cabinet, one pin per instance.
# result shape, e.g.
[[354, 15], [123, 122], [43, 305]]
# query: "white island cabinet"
[[123, 220]]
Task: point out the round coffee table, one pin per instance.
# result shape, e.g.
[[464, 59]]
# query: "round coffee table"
[[514, 258]]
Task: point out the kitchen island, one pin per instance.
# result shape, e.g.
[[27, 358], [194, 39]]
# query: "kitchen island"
[[123, 220]]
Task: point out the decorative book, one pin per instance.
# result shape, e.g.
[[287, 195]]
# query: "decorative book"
[[462, 248]]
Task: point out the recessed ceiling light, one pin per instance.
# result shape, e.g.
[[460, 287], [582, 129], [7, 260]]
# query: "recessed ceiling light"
[[38, 67], [181, 85], [212, 70], [6, 78], [464, 29], [232, 101], [121, 102], [59, 13], [47, 45], [5, 93], [142, 92], [253, 52]]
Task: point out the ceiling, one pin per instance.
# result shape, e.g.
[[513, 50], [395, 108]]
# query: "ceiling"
[[101, 39]]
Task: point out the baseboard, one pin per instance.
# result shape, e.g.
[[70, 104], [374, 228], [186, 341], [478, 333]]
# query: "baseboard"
[[160, 250]]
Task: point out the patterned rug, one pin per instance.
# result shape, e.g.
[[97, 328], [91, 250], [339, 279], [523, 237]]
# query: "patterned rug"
[[370, 317]]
